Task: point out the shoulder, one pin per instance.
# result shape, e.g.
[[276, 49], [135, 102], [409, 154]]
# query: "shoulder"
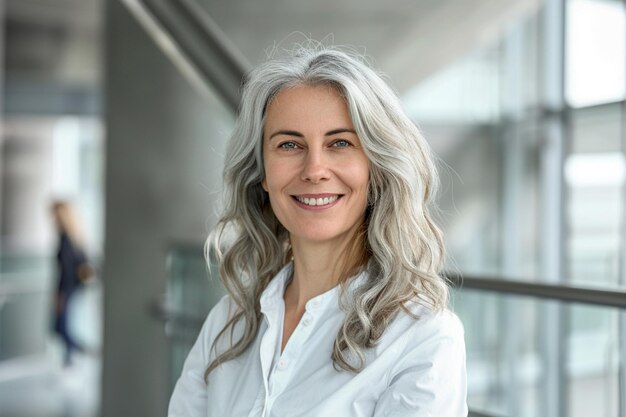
[[431, 335], [220, 313], [429, 376], [190, 395], [223, 307], [216, 320], [437, 323]]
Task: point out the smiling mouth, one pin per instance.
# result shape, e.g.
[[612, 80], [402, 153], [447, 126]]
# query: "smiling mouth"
[[313, 202]]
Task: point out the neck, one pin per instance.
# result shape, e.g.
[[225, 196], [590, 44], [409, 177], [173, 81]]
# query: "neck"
[[317, 269]]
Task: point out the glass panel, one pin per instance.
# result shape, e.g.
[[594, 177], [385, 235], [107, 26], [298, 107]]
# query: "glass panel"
[[191, 292], [478, 116], [508, 362], [25, 284], [456, 109], [593, 362], [595, 51], [464, 92], [471, 173], [594, 174]]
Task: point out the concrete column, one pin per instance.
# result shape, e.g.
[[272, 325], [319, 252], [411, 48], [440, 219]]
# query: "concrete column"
[[163, 174]]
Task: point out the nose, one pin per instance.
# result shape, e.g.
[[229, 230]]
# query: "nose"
[[315, 168]]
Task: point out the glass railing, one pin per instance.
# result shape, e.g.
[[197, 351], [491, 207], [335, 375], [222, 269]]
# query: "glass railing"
[[24, 262], [25, 304], [528, 357]]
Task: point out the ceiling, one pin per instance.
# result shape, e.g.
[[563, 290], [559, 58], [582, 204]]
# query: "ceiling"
[[407, 39], [53, 41], [72, 14]]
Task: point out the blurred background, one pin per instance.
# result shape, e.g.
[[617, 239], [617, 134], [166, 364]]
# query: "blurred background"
[[121, 108]]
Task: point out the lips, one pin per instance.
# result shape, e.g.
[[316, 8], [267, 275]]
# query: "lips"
[[319, 200]]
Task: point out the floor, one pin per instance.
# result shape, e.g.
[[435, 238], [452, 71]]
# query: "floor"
[[40, 386], [44, 388]]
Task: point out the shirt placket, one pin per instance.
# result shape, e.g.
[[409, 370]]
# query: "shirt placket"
[[284, 367], [266, 353]]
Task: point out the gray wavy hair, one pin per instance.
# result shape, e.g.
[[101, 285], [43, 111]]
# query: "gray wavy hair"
[[402, 246]]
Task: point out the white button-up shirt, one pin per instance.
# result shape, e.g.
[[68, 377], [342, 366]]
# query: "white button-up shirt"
[[417, 368]]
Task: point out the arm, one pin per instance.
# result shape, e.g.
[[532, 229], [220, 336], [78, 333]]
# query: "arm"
[[66, 266], [189, 398], [430, 380]]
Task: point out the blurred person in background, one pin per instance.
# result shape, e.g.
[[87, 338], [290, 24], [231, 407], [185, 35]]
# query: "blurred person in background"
[[73, 272]]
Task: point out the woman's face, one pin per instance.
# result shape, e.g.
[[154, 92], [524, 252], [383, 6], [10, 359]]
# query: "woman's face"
[[316, 172]]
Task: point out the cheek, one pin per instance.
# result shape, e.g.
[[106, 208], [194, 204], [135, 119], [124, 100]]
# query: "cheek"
[[277, 174], [269, 172], [269, 181], [360, 175], [362, 184]]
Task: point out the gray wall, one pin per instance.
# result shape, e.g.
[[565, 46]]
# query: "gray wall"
[[164, 147], [25, 224]]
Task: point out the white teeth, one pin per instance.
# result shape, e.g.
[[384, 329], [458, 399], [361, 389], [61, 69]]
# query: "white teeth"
[[317, 201]]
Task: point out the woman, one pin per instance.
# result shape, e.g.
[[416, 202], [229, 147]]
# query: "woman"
[[332, 263], [73, 271]]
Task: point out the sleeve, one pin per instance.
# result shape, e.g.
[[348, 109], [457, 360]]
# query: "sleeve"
[[189, 398], [431, 379]]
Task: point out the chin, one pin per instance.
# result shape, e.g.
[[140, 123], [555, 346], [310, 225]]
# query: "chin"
[[319, 236]]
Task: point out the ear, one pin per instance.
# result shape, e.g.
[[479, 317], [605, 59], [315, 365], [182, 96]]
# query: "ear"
[[264, 184]]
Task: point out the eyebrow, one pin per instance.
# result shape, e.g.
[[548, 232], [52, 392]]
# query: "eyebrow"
[[300, 135]]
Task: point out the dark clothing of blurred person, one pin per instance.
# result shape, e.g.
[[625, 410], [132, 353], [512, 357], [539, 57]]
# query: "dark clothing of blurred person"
[[69, 259], [73, 271]]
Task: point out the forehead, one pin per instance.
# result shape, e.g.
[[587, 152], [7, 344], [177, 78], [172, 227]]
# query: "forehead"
[[319, 104]]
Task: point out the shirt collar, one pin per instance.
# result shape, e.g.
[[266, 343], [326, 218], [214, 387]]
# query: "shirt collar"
[[275, 290]]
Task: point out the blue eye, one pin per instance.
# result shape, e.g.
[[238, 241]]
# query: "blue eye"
[[341, 143], [288, 145]]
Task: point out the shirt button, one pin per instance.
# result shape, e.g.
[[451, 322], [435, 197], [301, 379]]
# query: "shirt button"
[[282, 364], [306, 321], [315, 303]]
